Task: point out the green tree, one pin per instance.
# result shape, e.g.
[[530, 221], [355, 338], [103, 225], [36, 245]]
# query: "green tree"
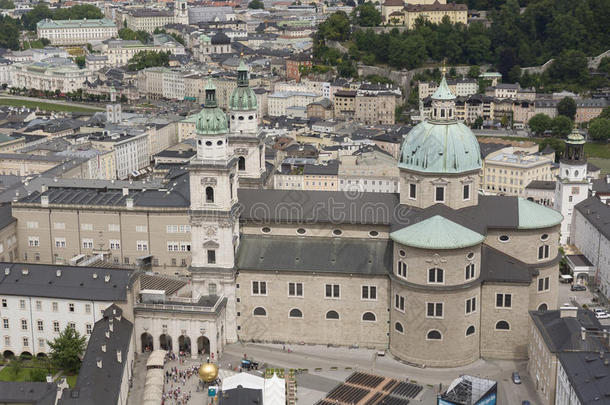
[[335, 28], [478, 123], [474, 71], [80, 61], [256, 5], [557, 144], [567, 107], [605, 113], [366, 15], [130, 35], [67, 349], [9, 33], [561, 126], [540, 123], [32, 17], [146, 59], [38, 375], [569, 66], [15, 367], [7, 4], [599, 129], [78, 12]]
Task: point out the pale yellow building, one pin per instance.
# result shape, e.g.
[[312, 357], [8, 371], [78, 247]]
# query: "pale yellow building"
[[508, 172], [433, 12]]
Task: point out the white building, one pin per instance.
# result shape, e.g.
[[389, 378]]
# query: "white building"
[[130, 151], [76, 32], [572, 185], [278, 102], [119, 52], [40, 301], [52, 74]]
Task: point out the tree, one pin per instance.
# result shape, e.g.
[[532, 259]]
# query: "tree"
[[561, 126], [567, 107], [599, 129], [146, 59], [557, 144], [366, 15], [256, 5], [130, 35], [474, 71], [540, 123], [7, 4], [15, 366], [605, 113], [9, 33], [336, 27], [67, 349], [80, 61], [478, 123], [569, 66]]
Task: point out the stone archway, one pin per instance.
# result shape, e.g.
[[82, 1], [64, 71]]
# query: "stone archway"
[[165, 342], [42, 355], [203, 345], [8, 354], [147, 342], [184, 344], [25, 355]]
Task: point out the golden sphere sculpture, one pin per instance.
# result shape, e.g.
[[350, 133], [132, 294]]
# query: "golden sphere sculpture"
[[208, 372]]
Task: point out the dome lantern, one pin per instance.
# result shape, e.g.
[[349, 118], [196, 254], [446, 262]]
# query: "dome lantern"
[[443, 102]]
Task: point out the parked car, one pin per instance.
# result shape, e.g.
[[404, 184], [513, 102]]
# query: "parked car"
[[526, 403], [602, 315], [578, 287], [516, 378]]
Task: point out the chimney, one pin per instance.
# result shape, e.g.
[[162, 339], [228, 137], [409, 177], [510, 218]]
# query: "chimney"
[[44, 188], [119, 356], [94, 276], [44, 200], [25, 271], [104, 347], [583, 333], [129, 202], [107, 334], [7, 271], [106, 278], [99, 362], [110, 325], [568, 312], [125, 191], [58, 273]]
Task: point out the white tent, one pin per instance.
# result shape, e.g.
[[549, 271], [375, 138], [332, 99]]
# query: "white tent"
[[246, 380], [274, 392]]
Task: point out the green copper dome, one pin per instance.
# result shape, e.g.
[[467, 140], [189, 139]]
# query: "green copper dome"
[[443, 92], [433, 147], [211, 120], [243, 97], [437, 232]]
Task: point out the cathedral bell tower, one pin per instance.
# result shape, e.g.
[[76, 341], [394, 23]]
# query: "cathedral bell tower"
[[245, 140], [213, 218], [572, 185], [113, 109], [181, 13]]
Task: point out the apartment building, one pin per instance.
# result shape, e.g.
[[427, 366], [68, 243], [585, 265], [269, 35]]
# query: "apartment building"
[[8, 235], [508, 173], [76, 32], [590, 108], [148, 19], [345, 104], [375, 109], [52, 74], [321, 176], [459, 87], [279, 102], [131, 151], [119, 51]]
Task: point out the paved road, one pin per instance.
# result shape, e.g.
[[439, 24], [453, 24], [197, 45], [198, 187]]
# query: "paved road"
[[500, 132], [44, 100]]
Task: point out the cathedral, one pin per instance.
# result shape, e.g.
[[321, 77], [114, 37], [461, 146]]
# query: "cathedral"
[[439, 275]]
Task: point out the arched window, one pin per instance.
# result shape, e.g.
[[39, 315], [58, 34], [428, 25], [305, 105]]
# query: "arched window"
[[209, 194], [369, 317], [543, 307], [434, 335], [241, 163], [295, 313], [436, 275], [470, 330], [259, 311], [502, 325], [332, 315], [543, 252], [398, 327], [470, 271]]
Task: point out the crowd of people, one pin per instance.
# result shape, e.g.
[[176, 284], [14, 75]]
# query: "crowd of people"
[[176, 390]]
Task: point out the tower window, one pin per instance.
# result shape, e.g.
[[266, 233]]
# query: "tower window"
[[241, 163], [209, 194], [412, 191], [219, 143], [439, 194], [466, 192], [208, 143]]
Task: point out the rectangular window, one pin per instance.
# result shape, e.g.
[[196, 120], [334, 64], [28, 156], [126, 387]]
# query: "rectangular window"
[[87, 308], [32, 224], [55, 307], [332, 291], [466, 192], [87, 243], [38, 305], [24, 324], [89, 328], [86, 227], [369, 292], [4, 303], [71, 307], [434, 309], [211, 257], [399, 302], [436, 276], [26, 342], [21, 304], [40, 326], [5, 323], [471, 305], [470, 271], [7, 341], [41, 343], [295, 289], [59, 225], [142, 245], [504, 300], [55, 326], [439, 194], [141, 228], [259, 288], [412, 191], [543, 252], [402, 269], [543, 284], [33, 241], [114, 228]]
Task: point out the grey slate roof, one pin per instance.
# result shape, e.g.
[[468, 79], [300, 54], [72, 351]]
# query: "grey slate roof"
[[597, 213], [6, 216], [589, 376], [102, 386], [77, 283], [323, 255], [579, 260], [541, 185], [601, 185], [38, 393], [500, 267], [564, 334], [241, 396]]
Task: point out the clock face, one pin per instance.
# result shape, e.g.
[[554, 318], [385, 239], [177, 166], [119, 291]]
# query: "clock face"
[[210, 231]]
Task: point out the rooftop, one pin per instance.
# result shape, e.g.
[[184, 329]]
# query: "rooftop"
[[589, 375]]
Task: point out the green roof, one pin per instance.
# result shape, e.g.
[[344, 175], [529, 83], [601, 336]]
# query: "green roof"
[[434, 147], [443, 92], [437, 232], [535, 216], [104, 22]]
